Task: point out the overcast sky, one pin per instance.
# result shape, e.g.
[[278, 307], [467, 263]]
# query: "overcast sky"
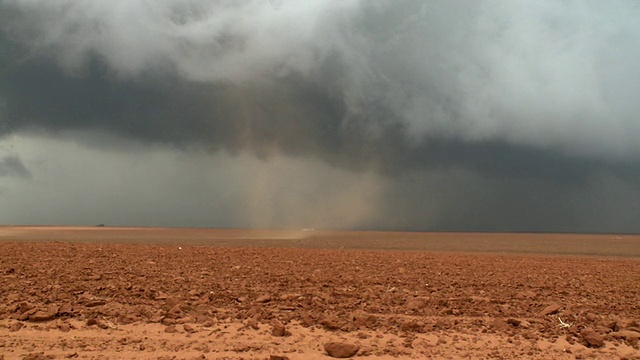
[[400, 114]]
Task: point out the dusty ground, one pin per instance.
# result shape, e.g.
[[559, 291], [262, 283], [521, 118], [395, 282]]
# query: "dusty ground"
[[103, 293]]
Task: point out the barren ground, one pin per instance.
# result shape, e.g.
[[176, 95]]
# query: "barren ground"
[[125, 293]]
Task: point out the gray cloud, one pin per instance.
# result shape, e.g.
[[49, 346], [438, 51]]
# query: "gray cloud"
[[13, 166], [525, 100], [545, 75], [461, 200]]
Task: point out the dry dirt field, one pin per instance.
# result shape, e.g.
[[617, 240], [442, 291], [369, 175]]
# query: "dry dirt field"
[[128, 293]]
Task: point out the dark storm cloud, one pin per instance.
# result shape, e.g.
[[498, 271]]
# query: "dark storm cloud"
[[259, 74], [465, 201], [13, 166], [295, 117], [511, 93]]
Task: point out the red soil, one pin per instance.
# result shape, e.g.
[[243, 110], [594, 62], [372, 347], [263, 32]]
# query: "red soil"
[[161, 294]]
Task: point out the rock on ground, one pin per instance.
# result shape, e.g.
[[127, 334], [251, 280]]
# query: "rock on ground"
[[341, 350]]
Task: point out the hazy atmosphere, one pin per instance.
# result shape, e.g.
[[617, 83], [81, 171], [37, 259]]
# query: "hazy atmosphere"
[[396, 115]]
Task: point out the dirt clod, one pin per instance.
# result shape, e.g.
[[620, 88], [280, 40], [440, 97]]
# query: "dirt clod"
[[341, 350], [38, 356], [626, 334], [16, 326], [331, 323], [514, 322], [44, 315], [551, 309], [278, 329], [189, 328], [592, 337], [253, 323], [263, 299], [170, 329]]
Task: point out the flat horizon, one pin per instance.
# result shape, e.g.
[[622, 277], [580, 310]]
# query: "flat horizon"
[[616, 245]]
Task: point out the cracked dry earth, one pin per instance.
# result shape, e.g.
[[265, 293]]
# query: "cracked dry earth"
[[63, 300]]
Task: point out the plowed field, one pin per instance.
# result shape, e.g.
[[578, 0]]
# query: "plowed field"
[[118, 293]]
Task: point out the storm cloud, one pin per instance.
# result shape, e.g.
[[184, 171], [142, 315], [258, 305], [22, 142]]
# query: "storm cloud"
[[514, 104], [13, 166]]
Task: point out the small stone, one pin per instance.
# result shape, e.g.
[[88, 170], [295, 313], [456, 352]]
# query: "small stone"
[[253, 323], [263, 299], [278, 357], [40, 316], [209, 323], [171, 329], [64, 327], [526, 295], [551, 309], [592, 337], [590, 317], [175, 312], [499, 324], [514, 322], [566, 314], [23, 316], [171, 302], [306, 320], [65, 310], [519, 323], [255, 312], [189, 328], [24, 307], [278, 329], [16, 326], [412, 326], [168, 322], [602, 329], [341, 350], [102, 324], [622, 324], [415, 304], [94, 303], [362, 320], [241, 348], [331, 323], [36, 356], [626, 334]]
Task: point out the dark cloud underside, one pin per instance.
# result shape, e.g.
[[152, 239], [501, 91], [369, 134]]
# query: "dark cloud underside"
[[289, 115]]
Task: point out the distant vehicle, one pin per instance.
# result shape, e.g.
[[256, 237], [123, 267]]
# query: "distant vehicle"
[[100, 225]]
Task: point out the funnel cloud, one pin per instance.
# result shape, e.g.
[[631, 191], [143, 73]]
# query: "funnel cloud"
[[405, 115]]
